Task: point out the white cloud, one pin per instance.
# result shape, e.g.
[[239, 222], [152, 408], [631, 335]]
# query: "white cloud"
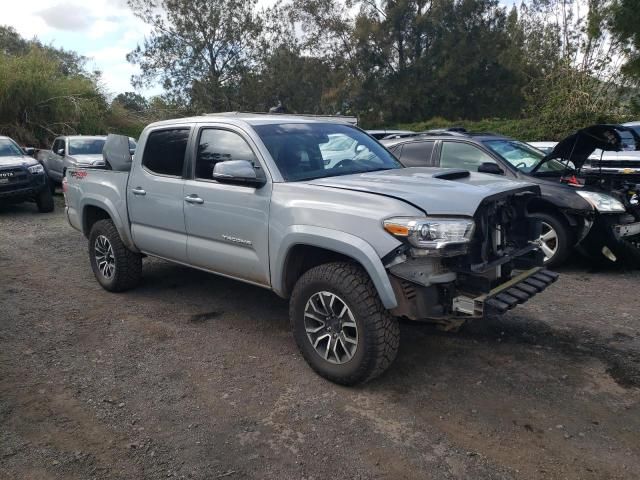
[[67, 16]]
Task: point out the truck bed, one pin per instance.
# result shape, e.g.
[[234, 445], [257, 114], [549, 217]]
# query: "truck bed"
[[99, 188]]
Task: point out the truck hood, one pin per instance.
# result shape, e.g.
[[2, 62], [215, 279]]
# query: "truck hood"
[[436, 191], [17, 161]]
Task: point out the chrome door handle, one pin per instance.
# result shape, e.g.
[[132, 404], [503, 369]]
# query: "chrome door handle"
[[193, 199], [138, 191]]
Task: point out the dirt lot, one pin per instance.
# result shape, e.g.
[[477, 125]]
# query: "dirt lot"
[[195, 376]]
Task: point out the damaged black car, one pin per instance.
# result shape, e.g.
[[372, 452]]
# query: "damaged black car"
[[576, 207]]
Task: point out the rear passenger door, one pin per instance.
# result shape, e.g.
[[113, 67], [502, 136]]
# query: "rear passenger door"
[[416, 154], [227, 224], [155, 195]]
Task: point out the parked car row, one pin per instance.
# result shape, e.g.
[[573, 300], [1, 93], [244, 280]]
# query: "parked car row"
[[444, 226]]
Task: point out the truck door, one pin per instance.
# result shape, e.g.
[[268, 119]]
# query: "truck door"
[[227, 225], [155, 195], [55, 160]]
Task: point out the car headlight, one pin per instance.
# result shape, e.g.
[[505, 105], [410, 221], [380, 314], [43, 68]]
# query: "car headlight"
[[431, 233], [36, 169], [602, 202]]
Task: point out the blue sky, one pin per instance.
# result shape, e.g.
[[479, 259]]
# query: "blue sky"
[[102, 30]]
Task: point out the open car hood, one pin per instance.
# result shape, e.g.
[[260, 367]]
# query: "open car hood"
[[577, 147]]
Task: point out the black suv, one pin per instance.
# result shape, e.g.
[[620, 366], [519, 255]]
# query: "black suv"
[[22, 178], [570, 215]]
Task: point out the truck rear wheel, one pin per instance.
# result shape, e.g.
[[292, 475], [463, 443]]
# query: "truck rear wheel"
[[44, 201], [115, 266], [340, 325]]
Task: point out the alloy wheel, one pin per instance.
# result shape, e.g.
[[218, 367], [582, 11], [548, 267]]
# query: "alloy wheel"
[[331, 327], [548, 241], [105, 260]]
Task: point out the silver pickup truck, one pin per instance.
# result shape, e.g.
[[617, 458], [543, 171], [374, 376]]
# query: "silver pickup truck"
[[354, 243]]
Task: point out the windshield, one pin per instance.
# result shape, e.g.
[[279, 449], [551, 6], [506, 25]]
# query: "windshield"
[[8, 148], [524, 157], [86, 146], [304, 151]]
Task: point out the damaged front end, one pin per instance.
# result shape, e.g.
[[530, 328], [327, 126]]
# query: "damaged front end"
[[489, 263]]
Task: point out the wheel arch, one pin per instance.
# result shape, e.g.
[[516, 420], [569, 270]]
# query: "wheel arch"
[[304, 247], [94, 210]]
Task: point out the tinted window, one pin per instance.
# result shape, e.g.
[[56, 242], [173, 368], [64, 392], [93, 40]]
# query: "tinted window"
[[220, 146], [463, 155], [86, 146], [300, 154], [417, 154], [164, 152]]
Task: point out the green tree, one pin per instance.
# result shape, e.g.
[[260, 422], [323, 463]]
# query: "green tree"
[[198, 49]]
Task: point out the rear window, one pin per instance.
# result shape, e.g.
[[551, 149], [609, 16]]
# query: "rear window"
[[165, 150], [86, 146]]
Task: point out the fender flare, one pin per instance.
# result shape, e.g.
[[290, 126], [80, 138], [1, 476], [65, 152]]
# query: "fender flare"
[[339, 242], [103, 203]]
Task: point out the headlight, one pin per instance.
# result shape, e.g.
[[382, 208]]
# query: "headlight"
[[431, 233], [602, 202], [36, 169]]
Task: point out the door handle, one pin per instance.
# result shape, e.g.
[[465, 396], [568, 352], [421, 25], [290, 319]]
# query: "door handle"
[[138, 191], [194, 199]]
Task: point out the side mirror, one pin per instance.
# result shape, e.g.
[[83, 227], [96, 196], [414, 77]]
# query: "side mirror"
[[237, 171], [29, 151], [60, 152], [132, 151], [492, 168]]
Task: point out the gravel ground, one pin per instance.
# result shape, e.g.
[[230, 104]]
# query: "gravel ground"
[[196, 376]]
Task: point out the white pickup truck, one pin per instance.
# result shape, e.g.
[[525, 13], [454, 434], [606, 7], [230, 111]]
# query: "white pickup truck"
[[354, 243]]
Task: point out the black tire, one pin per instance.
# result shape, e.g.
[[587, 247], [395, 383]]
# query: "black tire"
[[127, 265], [627, 251], [44, 200], [52, 186], [564, 238], [378, 333]]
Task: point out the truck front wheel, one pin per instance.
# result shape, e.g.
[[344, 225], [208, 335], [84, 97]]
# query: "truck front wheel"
[[340, 325], [44, 201], [115, 266]]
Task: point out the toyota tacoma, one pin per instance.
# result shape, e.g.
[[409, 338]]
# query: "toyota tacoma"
[[354, 244]]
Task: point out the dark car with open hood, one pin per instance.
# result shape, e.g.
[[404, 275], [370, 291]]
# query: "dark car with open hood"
[[22, 178], [580, 206]]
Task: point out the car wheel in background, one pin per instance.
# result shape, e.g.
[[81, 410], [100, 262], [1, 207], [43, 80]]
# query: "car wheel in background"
[[340, 325], [556, 238], [115, 266]]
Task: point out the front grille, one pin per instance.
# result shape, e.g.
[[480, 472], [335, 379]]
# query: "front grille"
[[17, 177]]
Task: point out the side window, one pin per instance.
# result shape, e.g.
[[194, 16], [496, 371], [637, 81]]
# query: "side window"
[[417, 154], [463, 155], [57, 145], [164, 151], [220, 146]]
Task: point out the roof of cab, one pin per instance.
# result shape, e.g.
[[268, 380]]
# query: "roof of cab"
[[244, 118]]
